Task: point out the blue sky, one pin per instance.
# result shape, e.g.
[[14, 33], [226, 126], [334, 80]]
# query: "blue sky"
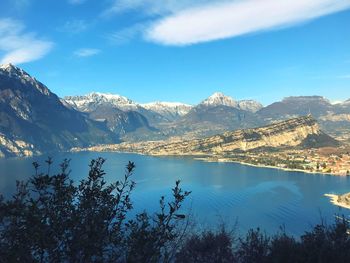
[[181, 50]]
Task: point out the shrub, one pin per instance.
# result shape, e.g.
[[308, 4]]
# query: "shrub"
[[49, 219], [207, 247]]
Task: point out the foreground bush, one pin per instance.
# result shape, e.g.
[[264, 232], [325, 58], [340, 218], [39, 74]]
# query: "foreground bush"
[[50, 219]]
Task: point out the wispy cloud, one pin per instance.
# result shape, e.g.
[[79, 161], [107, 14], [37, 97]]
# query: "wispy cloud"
[[18, 45], [125, 35], [87, 52], [74, 26], [153, 7], [76, 2], [347, 76], [228, 19]]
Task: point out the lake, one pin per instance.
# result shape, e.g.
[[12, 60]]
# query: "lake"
[[221, 192]]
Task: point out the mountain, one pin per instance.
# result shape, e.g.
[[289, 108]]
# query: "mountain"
[[34, 120], [170, 110], [297, 106], [219, 99], [217, 113], [126, 119], [345, 103], [93, 101], [333, 118], [342, 107], [118, 121], [211, 120], [250, 105], [297, 132]]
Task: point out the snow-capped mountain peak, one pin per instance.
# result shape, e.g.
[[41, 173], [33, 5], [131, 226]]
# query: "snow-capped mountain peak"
[[13, 72], [219, 98], [344, 103], [6, 66], [250, 105], [114, 98], [168, 109], [92, 100]]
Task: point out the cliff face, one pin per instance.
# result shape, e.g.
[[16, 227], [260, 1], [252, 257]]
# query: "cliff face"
[[302, 131]]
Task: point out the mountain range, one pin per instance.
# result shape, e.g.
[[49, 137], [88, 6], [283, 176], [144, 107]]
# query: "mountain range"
[[218, 113], [35, 120]]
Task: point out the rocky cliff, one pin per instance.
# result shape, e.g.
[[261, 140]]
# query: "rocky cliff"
[[302, 131]]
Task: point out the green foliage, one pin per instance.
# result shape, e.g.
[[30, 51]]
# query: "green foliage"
[[49, 219]]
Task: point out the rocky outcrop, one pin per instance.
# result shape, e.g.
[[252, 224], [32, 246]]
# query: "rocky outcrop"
[[291, 133], [11, 147]]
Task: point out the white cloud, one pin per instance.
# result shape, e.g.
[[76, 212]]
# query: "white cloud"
[[74, 26], [86, 52], [19, 46], [228, 19], [125, 35]]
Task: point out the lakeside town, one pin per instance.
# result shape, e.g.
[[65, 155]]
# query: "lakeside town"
[[334, 161], [326, 160]]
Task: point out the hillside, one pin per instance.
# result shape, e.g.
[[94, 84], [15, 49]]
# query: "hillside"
[[302, 131], [34, 120]]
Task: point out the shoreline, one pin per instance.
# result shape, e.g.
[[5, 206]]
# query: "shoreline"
[[208, 158], [334, 200], [266, 166]]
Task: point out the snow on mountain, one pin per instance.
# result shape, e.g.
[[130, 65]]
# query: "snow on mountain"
[[250, 105], [19, 74], [218, 99], [338, 102], [89, 102], [171, 110], [342, 103], [92, 100]]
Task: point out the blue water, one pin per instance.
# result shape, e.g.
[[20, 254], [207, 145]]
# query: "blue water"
[[221, 192]]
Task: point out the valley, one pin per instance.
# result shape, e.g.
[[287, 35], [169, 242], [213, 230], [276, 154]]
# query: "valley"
[[36, 121]]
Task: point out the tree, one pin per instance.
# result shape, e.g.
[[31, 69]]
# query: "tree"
[[50, 219]]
